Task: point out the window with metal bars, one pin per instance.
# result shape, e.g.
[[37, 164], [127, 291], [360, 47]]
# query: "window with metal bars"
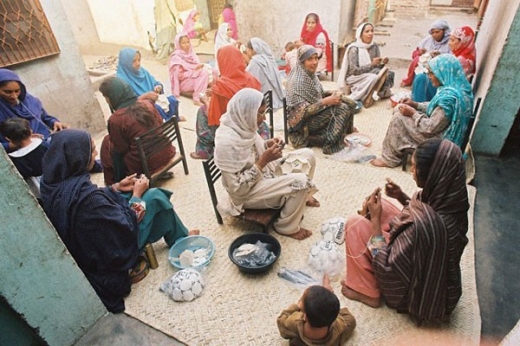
[[25, 33]]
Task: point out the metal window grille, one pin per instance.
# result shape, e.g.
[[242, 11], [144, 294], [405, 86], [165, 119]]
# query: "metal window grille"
[[25, 33]]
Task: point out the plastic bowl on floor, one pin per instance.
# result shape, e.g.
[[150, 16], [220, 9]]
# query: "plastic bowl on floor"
[[192, 243], [252, 238]]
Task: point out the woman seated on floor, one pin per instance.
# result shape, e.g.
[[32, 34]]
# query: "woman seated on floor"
[[462, 46], [250, 167], [432, 45], [411, 258], [446, 115], [16, 102], [263, 66], [233, 77], [131, 118], [144, 84], [316, 118], [104, 229], [313, 34], [187, 73], [363, 73], [223, 38]]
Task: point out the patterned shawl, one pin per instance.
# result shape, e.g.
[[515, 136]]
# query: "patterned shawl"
[[467, 50], [303, 85], [430, 44], [426, 242], [233, 77], [454, 96], [140, 80], [237, 133], [309, 37]]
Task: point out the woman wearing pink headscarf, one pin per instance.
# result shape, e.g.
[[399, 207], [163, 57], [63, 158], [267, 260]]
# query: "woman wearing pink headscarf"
[[187, 73], [462, 44], [229, 17]]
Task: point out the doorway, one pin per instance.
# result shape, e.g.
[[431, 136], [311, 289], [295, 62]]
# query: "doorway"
[[215, 8]]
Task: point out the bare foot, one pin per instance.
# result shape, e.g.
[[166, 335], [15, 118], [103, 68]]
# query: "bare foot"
[[194, 232], [301, 234], [378, 163], [353, 295], [182, 118], [197, 103], [196, 156], [312, 202], [354, 129]]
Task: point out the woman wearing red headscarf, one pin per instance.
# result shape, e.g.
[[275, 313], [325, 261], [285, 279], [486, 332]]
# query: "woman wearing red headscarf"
[[462, 45], [313, 34], [233, 77]]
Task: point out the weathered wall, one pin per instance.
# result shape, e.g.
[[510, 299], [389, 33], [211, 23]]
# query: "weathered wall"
[[83, 27], [409, 8], [61, 82], [498, 46], [280, 21], [40, 280]]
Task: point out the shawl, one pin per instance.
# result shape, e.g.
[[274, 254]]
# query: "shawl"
[[140, 80], [221, 38], [233, 77], [120, 94], [263, 66], [229, 17], [237, 134], [430, 44], [363, 55], [467, 48], [309, 37], [105, 247], [189, 25], [303, 86], [427, 240], [29, 107], [188, 61], [454, 96]]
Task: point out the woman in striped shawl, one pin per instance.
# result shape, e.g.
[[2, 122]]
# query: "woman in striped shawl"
[[412, 257]]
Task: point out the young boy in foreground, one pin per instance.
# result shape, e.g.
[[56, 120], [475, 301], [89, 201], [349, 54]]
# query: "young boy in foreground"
[[317, 318]]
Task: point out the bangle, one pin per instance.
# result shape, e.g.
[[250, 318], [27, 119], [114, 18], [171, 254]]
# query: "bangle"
[[114, 187]]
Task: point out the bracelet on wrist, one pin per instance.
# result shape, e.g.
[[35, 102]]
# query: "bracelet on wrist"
[[114, 187]]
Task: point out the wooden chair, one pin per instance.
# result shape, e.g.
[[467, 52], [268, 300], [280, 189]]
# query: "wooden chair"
[[259, 217], [331, 72], [285, 129], [268, 97], [409, 151], [155, 140]]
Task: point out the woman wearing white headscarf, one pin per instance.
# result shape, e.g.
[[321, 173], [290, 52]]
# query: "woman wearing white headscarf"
[[363, 69], [223, 37], [263, 66], [252, 172]]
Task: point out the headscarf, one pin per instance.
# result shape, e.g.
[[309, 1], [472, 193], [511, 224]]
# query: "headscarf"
[[467, 50], [237, 133], [65, 181], [363, 55], [189, 25], [140, 80], [309, 37], [263, 66], [29, 108], [428, 262], [221, 38], [233, 77], [189, 61], [229, 17], [454, 96], [430, 44], [302, 85], [120, 94]]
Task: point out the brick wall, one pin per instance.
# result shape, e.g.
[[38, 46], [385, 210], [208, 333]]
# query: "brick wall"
[[410, 8]]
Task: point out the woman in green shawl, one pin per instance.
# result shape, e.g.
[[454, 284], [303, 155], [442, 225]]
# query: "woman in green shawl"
[[131, 118], [445, 116]]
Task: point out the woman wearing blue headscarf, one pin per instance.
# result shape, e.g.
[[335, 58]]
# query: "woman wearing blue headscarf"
[[16, 102], [144, 84], [446, 115], [104, 229]]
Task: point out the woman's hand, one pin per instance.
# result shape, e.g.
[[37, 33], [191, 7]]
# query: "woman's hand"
[[59, 126], [434, 53], [384, 61], [151, 96], [158, 89], [406, 110], [127, 184], [274, 141], [374, 204], [408, 101], [422, 51], [270, 154], [332, 100], [393, 190], [140, 186], [376, 61], [199, 67]]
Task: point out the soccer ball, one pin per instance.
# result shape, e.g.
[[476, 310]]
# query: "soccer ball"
[[184, 286], [326, 257], [334, 230]]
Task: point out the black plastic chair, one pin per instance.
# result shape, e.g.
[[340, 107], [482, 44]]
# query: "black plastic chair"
[[155, 140], [260, 217]]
